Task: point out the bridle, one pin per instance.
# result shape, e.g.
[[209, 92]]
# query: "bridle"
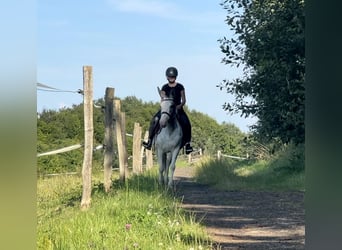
[[165, 112]]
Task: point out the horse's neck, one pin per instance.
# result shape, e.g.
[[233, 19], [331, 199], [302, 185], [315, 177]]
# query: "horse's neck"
[[170, 136], [173, 122]]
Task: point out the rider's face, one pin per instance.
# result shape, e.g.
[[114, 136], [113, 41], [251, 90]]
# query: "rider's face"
[[171, 79]]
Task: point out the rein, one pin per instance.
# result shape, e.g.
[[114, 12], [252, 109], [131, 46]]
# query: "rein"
[[167, 99]]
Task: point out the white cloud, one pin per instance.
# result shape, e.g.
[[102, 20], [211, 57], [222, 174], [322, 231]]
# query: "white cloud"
[[169, 10], [151, 7]]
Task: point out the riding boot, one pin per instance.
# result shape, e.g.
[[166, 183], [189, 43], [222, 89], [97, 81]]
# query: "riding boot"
[[148, 144], [188, 148], [152, 131], [186, 126]]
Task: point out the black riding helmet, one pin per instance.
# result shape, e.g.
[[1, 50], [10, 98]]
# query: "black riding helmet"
[[171, 72]]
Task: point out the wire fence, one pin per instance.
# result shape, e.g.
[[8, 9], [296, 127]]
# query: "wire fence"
[[44, 87]]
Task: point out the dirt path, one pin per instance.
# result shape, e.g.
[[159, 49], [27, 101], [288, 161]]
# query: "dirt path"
[[245, 220]]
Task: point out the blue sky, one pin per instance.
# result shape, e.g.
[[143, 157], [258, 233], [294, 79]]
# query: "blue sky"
[[129, 44]]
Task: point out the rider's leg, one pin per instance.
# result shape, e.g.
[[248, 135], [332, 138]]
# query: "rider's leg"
[[152, 130], [186, 126]]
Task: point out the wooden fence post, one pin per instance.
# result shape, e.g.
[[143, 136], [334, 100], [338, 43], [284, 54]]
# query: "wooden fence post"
[[108, 140], [148, 154], [137, 161], [88, 136], [189, 158], [142, 151], [124, 140], [219, 155], [119, 139]]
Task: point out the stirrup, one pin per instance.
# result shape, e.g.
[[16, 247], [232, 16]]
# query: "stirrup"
[[147, 145], [188, 148]]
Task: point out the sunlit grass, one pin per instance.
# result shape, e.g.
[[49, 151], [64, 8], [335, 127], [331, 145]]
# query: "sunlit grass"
[[137, 214], [182, 161], [283, 172]]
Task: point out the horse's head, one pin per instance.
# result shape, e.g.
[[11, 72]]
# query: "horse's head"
[[167, 109]]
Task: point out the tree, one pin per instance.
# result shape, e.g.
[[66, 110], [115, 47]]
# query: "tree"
[[269, 41]]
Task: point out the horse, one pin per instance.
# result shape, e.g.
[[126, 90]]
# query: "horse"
[[168, 141]]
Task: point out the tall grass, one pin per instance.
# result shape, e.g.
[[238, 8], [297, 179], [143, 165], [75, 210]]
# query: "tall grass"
[[282, 172], [137, 214]]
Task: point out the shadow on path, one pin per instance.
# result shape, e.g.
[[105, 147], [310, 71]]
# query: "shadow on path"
[[245, 219]]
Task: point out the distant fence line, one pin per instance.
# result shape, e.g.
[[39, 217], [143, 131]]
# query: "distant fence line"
[[219, 155]]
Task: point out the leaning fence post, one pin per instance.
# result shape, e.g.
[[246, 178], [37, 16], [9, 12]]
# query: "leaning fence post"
[[108, 140], [88, 136]]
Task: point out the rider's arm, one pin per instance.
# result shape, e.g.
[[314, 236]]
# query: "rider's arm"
[[163, 94], [183, 100]]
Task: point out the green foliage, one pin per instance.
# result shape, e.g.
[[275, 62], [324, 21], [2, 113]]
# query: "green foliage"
[[269, 41], [135, 215], [290, 158], [211, 136], [283, 171], [62, 128]]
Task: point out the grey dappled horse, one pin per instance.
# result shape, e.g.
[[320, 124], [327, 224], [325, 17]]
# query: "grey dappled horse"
[[168, 141]]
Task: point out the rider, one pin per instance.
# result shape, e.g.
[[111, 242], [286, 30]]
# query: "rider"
[[180, 100]]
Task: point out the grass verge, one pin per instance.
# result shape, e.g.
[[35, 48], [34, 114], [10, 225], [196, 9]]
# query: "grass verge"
[[282, 172], [137, 214]]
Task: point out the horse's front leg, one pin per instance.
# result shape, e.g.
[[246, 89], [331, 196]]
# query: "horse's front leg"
[[161, 163], [172, 167], [167, 166]]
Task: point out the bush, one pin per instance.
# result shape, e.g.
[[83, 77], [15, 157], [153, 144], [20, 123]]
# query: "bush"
[[291, 158]]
